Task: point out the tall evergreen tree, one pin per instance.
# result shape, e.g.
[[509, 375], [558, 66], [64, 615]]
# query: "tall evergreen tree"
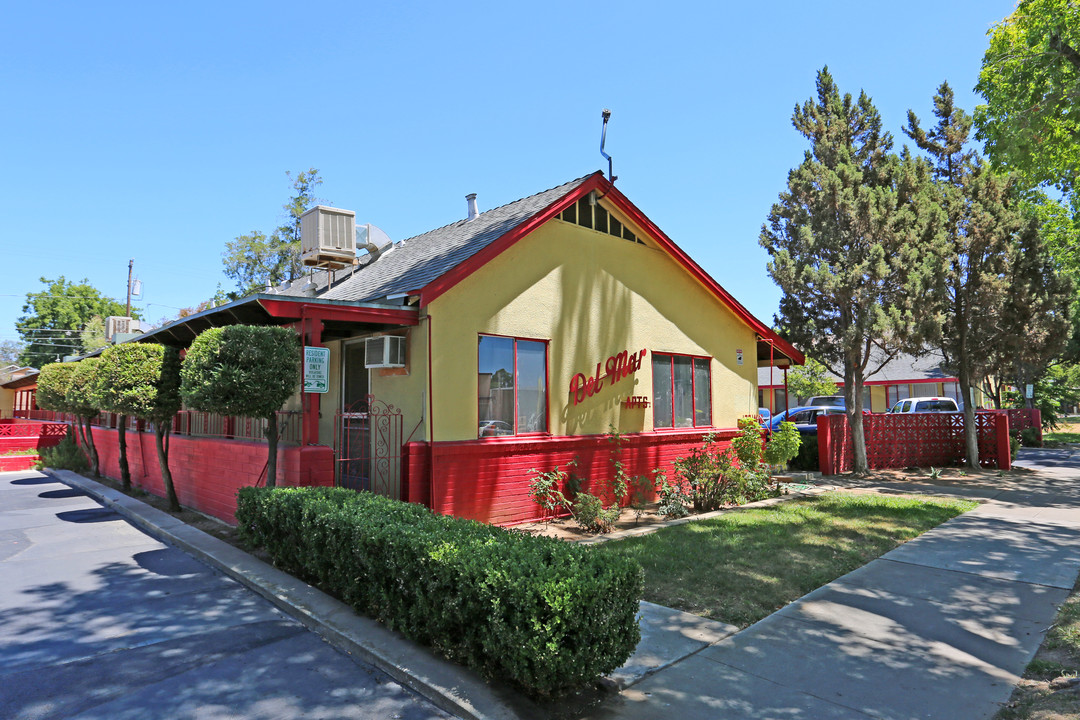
[[1003, 307], [845, 241], [1035, 325]]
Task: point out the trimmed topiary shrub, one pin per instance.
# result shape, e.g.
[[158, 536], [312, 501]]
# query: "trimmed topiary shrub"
[[61, 388], [542, 614], [142, 379], [248, 370]]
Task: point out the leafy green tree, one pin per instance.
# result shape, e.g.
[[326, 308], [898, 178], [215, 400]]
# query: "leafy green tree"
[[1003, 306], [1031, 81], [10, 350], [846, 242], [80, 401], [255, 259], [142, 379], [92, 336], [243, 370], [54, 318], [1059, 227], [810, 379]]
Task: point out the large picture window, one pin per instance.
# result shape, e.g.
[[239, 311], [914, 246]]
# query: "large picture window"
[[682, 391], [511, 386]]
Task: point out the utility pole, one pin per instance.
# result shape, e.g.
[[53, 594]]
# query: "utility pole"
[[131, 264]]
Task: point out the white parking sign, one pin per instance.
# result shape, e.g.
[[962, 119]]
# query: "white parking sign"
[[316, 369]]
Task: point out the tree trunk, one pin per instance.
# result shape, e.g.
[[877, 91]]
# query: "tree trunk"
[[88, 438], [971, 433], [853, 402], [271, 444], [121, 437], [161, 433]]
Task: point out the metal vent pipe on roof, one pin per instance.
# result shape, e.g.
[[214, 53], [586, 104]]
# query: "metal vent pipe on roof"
[[473, 212]]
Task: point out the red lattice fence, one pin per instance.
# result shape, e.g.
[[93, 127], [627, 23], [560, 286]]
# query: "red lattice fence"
[[913, 440]]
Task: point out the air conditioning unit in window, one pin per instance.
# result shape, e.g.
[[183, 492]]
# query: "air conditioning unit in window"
[[387, 351]]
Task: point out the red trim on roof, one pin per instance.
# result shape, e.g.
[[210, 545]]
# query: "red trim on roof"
[[605, 189], [319, 311]]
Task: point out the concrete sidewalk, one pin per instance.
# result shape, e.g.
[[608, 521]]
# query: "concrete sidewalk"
[[941, 627]]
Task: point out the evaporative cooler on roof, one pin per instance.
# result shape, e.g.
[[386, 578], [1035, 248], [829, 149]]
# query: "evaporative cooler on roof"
[[328, 237]]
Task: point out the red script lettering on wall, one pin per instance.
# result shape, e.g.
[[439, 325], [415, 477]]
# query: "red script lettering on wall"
[[614, 369]]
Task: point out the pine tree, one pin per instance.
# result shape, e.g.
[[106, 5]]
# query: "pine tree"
[[1035, 324], [846, 244], [996, 283]]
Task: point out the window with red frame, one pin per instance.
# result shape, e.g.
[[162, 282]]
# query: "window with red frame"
[[682, 391], [511, 386]]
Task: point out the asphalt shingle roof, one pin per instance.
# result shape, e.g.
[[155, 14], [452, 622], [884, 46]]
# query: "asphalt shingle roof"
[[902, 368], [413, 263]]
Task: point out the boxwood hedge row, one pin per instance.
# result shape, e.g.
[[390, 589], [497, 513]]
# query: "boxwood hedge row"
[[545, 615]]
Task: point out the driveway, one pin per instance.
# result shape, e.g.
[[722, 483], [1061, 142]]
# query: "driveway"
[[99, 620]]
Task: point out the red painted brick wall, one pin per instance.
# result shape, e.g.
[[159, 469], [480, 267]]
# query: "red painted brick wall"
[[489, 479], [207, 471]]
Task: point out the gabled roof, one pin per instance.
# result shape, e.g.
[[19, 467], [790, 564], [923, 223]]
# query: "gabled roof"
[[413, 264], [429, 264]]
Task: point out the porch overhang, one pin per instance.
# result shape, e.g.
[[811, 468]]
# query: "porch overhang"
[[339, 318], [774, 351]]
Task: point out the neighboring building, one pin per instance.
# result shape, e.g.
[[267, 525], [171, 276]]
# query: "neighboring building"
[[902, 377], [460, 359], [17, 388]]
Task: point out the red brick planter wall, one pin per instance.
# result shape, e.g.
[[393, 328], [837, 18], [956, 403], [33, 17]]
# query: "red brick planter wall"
[[10, 463], [208, 471], [489, 479]]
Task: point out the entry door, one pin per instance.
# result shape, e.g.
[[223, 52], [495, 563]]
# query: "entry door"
[[354, 458]]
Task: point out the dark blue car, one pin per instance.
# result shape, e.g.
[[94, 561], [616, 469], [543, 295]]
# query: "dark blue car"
[[805, 418]]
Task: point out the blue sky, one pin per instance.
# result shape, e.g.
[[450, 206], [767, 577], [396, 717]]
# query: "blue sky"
[[161, 131]]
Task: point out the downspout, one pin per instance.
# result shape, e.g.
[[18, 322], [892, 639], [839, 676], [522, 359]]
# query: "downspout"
[[787, 393], [772, 384], [431, 415]]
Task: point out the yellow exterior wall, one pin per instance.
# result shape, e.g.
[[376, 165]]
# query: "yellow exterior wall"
[[330, 403], [7, 403], [592, 295], [878, 399], [406, 388]]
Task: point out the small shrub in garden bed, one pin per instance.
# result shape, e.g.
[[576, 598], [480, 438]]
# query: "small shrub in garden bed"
[[545, 615], [64, 456]]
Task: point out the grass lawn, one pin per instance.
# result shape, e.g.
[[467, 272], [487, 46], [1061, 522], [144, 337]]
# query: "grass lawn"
[[744, 565], [1067, 431]]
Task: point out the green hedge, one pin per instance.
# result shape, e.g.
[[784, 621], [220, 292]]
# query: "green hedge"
[[546, 615]]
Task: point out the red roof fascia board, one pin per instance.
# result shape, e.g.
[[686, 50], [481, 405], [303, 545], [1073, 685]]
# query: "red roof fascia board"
[[318, 311], [449, 279]]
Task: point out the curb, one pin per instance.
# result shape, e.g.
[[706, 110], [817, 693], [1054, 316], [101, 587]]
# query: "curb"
[[450, 687]]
